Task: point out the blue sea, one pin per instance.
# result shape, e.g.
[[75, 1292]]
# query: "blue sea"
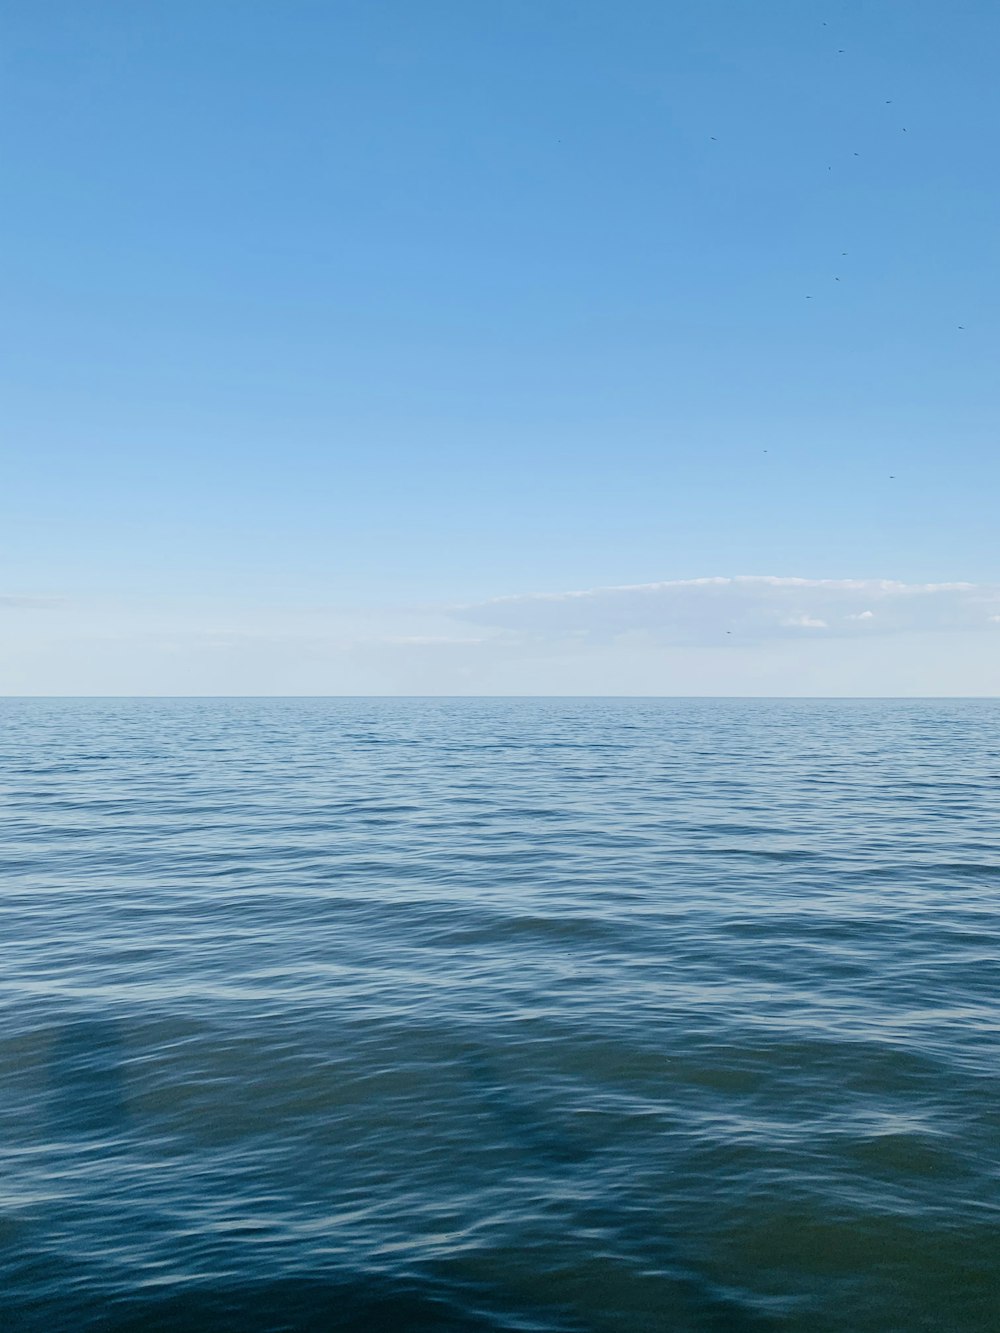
[[616, 1016]]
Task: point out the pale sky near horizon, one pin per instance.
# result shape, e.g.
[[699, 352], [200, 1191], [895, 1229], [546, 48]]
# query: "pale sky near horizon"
[[500, 346]]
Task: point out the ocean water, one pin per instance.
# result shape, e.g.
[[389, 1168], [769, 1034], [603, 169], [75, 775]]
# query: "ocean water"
[[638, 1015]]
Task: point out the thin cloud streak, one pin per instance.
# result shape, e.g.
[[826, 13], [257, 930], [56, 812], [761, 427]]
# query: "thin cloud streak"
[[19, 602], [744, 608]]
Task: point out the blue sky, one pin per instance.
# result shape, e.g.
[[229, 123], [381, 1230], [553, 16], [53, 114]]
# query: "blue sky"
[[328, 324]]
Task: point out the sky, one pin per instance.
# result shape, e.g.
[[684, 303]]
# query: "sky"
[[499, 347]]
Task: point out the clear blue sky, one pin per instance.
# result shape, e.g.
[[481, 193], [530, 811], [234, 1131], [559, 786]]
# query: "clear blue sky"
[[390, 305]]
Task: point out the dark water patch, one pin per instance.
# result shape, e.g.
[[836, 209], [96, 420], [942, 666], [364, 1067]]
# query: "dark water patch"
[[375, 1305]]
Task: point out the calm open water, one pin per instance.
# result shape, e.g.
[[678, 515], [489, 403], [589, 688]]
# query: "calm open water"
[[601, 1015]]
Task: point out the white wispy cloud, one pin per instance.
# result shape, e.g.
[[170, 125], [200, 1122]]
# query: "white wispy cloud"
[[805, 622], [709, 636], [745, 607], [19, 602], [428, 640]]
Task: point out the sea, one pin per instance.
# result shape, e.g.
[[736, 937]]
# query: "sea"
[[544, 1015]]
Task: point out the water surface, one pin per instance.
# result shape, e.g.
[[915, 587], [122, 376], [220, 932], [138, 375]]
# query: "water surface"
[[602, 1015]]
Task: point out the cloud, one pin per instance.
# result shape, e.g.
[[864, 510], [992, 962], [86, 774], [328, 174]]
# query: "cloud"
[[428, 640], [17, 602], [712, 636], [805, 622], [747, 608]]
